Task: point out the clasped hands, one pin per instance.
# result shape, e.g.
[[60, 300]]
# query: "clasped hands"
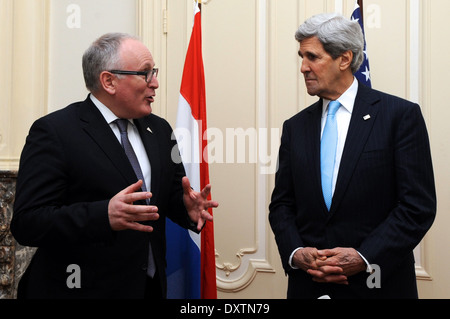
[[329, 265], [124, 215]]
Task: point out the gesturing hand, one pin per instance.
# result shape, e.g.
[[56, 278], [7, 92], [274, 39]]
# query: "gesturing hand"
[[197, 203], [124, 215]]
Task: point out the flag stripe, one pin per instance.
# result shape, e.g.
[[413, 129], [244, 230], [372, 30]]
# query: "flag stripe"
[[183, 264], [187, 134], [193, 82]]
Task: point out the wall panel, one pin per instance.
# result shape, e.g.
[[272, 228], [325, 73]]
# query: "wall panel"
[[434, 69], [24, 73], [75, 24]]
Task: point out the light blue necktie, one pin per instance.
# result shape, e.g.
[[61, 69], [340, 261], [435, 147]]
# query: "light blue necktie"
[[328, 147], [122, 124]]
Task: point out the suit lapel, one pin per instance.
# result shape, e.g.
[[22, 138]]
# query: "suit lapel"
[[361, 124], [94, 124], [313, 147]]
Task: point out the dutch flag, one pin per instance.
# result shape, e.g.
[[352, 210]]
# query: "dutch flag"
[[191, 272]]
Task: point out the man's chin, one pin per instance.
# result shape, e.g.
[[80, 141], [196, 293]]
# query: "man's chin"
[[311, 92], [311, 89], [149, 112], [148, 108], [144, 111]]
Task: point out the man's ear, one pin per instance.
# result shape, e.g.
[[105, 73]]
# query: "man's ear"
[[108, 82], [346, 60]]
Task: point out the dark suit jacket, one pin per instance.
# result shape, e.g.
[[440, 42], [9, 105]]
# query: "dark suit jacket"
[[384, 201], [71, 166]]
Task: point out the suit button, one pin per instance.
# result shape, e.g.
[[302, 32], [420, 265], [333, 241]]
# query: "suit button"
[[144, 267]]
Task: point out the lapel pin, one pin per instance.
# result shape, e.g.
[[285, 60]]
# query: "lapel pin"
[[150, 130], [367, 117]]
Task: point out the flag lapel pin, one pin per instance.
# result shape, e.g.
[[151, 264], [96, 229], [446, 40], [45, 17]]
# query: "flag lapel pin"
[[367, 117]]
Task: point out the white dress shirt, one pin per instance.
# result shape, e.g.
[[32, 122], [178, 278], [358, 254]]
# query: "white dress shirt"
[[133, 136]]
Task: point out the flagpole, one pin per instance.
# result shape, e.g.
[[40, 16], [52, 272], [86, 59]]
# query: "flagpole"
[[361, 6]]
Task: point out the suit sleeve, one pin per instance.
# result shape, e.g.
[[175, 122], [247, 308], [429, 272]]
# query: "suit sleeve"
[[282, 209], [415, 211], [42, 215]]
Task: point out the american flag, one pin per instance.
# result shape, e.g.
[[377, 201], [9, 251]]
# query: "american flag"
[[363, 74]]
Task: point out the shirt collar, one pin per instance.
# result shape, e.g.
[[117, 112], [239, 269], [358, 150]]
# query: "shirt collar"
[[109, 116], [347, 99]]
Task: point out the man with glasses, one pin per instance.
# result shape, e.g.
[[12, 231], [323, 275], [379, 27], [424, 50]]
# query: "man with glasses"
[[96, 181]]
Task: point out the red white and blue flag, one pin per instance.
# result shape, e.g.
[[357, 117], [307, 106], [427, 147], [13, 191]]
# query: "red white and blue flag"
[[363, 74], [191, 270]]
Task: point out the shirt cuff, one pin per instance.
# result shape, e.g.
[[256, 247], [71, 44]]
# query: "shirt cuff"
[[369, 268], [291, 257]]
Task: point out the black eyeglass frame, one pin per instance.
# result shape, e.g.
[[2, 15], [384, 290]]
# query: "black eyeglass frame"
[[153, 73]]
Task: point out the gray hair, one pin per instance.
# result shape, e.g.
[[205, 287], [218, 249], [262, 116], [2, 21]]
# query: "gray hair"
[[102, 55], [337, 35]]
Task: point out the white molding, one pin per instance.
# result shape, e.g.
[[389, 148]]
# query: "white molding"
[[339, 6], [414, 51], [415, 95], [151, 27]]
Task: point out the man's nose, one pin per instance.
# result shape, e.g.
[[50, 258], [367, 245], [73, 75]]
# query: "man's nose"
[[304, 67], [154, 83]]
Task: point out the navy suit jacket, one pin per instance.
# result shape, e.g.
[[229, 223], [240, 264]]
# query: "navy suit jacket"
[[384, 200], [71, 166]]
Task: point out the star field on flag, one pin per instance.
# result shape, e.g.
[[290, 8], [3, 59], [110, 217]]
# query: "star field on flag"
[[363, 74]]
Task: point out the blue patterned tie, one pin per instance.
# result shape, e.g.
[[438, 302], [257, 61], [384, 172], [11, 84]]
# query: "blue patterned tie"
[[122, 124], [328, 152]]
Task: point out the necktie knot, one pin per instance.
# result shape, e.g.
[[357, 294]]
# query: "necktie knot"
[[122, 124], [333, 106]]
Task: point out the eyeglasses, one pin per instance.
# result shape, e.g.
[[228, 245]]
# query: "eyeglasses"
[[148, 74]]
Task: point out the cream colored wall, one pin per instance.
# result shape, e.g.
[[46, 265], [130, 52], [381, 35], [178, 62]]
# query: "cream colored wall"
[[253, 83], [434, 86], [74, 25]]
